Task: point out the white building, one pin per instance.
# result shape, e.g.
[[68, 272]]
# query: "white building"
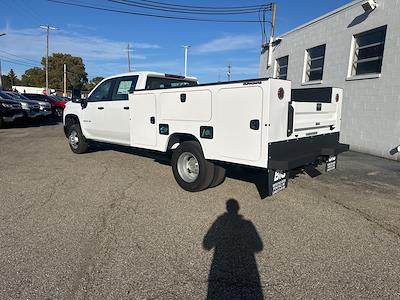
[[358, 51]]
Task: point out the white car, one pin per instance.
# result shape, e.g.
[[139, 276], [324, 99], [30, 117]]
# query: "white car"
[[261, 123]]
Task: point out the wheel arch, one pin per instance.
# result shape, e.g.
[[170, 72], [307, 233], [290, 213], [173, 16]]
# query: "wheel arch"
[[69, 120], [177, 138]]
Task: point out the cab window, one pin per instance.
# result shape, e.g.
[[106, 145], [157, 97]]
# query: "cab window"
[[163, 83], [102, 92], [123, 86]]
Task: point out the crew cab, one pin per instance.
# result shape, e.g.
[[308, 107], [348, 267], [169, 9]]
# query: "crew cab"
[[260, 123]]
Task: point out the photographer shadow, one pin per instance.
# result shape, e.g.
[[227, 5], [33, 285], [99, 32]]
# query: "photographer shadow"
[[234, 272]]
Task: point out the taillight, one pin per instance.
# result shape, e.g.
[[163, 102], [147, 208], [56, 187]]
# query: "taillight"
[[337, 97], [281, 93]]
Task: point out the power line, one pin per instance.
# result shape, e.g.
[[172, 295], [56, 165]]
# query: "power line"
[[151, 15], [188, 11], [17, 62], [19, 57], [204, 7]]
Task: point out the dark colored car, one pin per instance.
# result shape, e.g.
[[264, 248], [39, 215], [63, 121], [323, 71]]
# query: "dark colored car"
[[44, 107], [57, 106], [9, 111]]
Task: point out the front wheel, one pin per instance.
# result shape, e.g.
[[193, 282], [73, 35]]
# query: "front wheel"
[[191, 170], [76, 139]]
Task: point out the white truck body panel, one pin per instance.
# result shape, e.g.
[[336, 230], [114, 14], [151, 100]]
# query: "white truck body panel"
[[226, 107]]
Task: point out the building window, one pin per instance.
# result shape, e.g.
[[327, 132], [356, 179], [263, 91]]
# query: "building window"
[[315, 58], [282, 67], [368, 52]]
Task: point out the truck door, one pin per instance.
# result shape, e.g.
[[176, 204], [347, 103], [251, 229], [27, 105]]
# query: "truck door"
[[116, 110], [92, 121], [143, 120]]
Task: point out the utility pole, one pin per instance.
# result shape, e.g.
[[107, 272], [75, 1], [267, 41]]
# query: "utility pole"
[[1, 75], [65, 80], [186, 57], [129, 57], [1, 78], [48, 28], [272, 33], [229, 73]]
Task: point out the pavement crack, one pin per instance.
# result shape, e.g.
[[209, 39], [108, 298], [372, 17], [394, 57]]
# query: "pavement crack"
[[389, 228]]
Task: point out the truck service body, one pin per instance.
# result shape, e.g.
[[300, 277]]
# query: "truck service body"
[[260, 123]]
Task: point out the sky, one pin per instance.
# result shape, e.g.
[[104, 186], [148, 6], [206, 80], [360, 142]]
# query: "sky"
[[101, 37]]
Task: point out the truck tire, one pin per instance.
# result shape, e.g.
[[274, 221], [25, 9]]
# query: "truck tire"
[[1, 122], [191, 170], [219, 176], [76, 140]]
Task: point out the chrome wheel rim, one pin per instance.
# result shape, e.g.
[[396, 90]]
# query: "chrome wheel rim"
[[188, 167], [74, 139]]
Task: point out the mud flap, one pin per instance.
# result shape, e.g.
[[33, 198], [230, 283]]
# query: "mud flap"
[[331, 163], [277, 181]]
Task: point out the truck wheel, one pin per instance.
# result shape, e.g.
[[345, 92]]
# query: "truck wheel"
[[1, 122], [219, 176], [191, 170], [77, 141]]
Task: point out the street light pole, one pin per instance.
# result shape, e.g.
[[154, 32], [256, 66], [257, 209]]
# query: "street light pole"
[[186, 57], [129, 57], [48, 28]]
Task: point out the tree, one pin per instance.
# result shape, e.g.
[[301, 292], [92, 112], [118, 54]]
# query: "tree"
[[76, 73], [34, 77], [92, 83], [12, 77]]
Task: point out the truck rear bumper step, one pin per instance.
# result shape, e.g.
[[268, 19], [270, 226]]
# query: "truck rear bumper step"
[[296, 153]]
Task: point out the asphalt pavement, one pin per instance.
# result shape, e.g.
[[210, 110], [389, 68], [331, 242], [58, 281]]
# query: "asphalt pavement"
[[113, 224]]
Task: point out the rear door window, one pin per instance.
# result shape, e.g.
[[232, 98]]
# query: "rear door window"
[[123, 86]]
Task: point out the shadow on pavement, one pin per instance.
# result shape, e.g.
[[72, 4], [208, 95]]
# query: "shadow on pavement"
[[234, 272], [23, 123]]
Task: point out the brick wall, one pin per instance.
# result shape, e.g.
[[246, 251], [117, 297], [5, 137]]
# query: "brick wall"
[[371, 107]]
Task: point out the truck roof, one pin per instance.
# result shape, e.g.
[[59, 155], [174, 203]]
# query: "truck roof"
[[155, 74]]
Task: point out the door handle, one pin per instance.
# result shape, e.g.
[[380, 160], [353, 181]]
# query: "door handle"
[[100, 108], [126, 107]]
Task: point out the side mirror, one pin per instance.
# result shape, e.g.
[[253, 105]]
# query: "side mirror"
[[76, 95]]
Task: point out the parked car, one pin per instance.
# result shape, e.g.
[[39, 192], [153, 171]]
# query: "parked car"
[[9, 111], [57, 106], [60, 98], [31, 108], [45, 107]]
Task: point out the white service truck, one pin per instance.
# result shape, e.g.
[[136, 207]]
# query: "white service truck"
[[261, 123]]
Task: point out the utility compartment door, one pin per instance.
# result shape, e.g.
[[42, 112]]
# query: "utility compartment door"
[[143, 123], [239, 123], [184, 105]]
